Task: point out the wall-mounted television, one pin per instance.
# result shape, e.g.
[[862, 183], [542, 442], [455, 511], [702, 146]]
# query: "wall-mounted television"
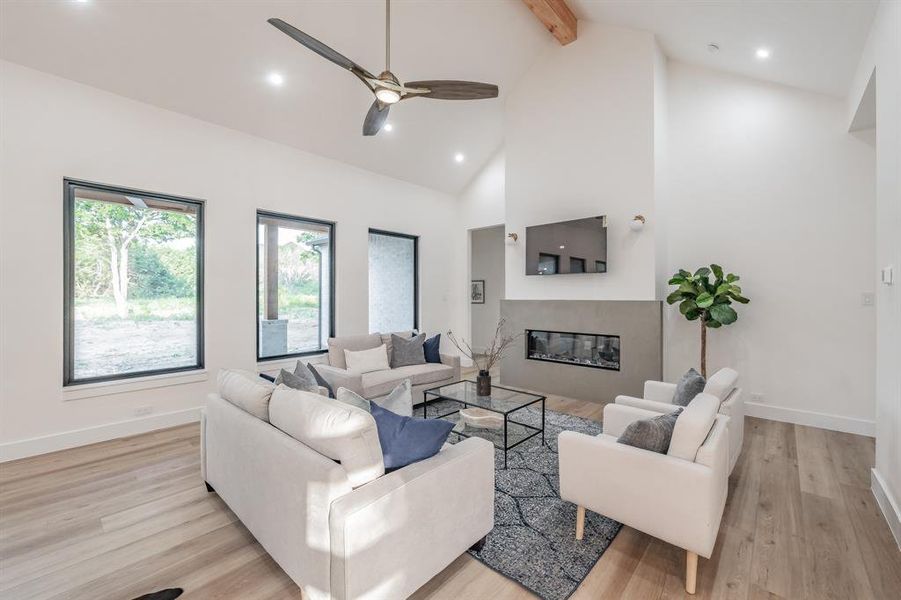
[[568, 247]]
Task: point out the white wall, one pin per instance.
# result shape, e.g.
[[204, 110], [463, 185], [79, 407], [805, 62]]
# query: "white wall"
[[580, 143], [53, 128], [487, 264], [883, 55], [765, 181]]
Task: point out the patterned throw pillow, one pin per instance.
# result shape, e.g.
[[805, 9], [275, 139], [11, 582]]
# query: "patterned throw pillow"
[[652, 434], [300, 379], [691, 384], [407, 351]]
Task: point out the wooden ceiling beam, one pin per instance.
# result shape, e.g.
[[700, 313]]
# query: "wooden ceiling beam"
[[556, 16]]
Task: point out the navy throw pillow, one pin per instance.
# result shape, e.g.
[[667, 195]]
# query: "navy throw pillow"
[[430, 347], [405, 440]]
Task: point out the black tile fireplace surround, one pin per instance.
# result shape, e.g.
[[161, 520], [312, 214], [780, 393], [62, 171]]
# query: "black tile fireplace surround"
[[593, 350]]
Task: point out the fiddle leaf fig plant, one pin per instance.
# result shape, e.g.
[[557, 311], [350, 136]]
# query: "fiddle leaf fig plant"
[[705, 300]]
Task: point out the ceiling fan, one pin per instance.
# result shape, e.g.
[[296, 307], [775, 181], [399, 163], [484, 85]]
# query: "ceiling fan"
[[387, 88]]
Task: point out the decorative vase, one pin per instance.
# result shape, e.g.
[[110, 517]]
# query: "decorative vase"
[[483, 384]]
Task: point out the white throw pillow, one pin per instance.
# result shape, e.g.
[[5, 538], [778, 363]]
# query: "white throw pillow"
[[367, 361], [693, 426], [246, 390], [339, 431], [399, 401]]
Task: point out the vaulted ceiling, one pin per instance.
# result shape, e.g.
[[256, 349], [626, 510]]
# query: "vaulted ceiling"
[[210, 60]]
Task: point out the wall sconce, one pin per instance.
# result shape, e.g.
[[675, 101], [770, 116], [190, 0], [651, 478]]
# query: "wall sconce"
[[511, 238], [637, 223]]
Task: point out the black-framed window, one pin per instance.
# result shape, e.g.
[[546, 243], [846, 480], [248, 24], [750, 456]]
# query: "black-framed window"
[[576, 265], [548, 264], [393, 281], [133, 283], [295, 285]]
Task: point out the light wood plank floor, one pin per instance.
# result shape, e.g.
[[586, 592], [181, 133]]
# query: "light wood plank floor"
[[121, 518]]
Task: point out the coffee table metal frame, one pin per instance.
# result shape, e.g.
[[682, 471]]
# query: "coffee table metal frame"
[[506, 414]]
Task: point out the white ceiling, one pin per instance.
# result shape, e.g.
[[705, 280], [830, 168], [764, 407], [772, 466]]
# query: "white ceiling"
[[210, 60], [815, 44]]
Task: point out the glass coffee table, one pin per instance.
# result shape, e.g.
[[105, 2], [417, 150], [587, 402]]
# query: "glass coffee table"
[[504, 402]]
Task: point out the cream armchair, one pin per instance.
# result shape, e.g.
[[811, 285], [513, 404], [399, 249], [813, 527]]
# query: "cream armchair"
[[677, 497], [658, 397]]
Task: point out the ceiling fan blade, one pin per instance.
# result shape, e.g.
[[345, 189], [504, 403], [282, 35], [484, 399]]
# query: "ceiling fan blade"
[[319, 48], [454, 90], [375, 118]]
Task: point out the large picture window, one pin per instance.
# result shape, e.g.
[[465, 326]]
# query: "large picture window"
[[295, 285], [393, 281], [133, 283]]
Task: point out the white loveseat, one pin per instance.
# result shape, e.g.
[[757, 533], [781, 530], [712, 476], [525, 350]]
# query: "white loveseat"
[[678, 497], [304, 473], [658, 397], [379, 384]]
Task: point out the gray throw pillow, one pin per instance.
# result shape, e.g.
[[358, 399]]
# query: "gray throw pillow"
[[407, 351], [351, 397], [652, 434], [322, 381], [300, 379], [691, 384]]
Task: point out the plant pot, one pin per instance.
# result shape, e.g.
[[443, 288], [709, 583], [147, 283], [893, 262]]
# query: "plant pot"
[[483, 384]]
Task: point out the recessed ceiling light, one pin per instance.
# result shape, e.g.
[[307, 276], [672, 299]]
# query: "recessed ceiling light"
[[276, 79], [763, 53], [388, 127], [459, 157]]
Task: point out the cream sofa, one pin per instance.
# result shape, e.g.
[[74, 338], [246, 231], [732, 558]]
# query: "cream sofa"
[[378, 384], [324, 508], [658, 397], [678, 497]]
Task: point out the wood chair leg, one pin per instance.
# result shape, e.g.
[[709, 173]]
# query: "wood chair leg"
[[691, 571], [580, 522]]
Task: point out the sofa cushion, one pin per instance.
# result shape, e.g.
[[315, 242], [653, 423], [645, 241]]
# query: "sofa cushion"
[[246, 390], [367, 361], [322, 381], [405, 440], [354, 399], [380, 383], [407, 351], [339, 431], [652, 434], [337, 346], [432, 349], [692, 426], [721, 383], [691, 384]]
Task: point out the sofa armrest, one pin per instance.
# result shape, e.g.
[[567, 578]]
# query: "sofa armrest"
[[338, 377], [391, 535], [618, 416], [676, 500], [659, 391], [644, 404], [452, 360]]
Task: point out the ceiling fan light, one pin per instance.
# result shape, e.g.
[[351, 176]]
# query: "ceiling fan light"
[[387, 96]]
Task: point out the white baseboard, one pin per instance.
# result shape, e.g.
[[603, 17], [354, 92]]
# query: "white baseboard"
[[887, 503], [811, 419], [92, 435]]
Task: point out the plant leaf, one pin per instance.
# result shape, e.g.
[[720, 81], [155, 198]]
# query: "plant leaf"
[[723, 288], [717, 271], [687, 306], [676, 280], [702, 272], [738, 298], [692, 315], [688, 288], [723, 313], [684, 273], [704, 300], [674, 297], [713, 323]]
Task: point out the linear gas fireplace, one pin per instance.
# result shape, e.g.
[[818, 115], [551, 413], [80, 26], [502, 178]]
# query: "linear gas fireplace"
[[597, 351]]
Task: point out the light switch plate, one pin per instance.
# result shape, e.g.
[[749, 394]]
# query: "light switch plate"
[[887, 275]]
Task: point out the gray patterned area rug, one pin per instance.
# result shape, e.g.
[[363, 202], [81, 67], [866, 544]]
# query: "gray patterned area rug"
[[533, 541]]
